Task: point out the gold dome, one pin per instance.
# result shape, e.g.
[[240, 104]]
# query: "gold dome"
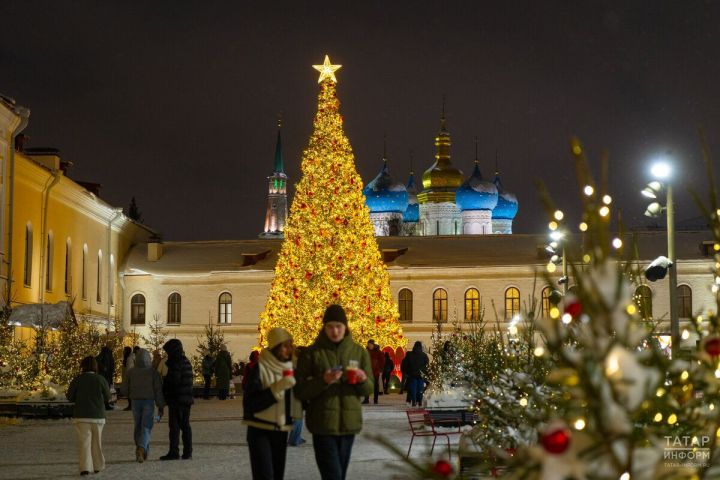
[[442, 179]]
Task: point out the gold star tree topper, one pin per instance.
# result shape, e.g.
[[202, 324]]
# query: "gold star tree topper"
[[327, 70]]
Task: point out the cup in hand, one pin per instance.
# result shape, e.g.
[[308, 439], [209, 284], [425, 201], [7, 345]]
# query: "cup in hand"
[[351, 372], [288, 372]]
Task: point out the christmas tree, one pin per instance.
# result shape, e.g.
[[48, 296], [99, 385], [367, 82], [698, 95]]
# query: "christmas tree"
[[157, 334], [330, 254]]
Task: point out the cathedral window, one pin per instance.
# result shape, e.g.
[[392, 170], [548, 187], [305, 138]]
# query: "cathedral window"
[[684, 296], [643, 300], [225, 308], [440, 303], [512, 302], [174, 303], [472, 305], [405, 304], [27, 266], [137, 309], [546, 302]]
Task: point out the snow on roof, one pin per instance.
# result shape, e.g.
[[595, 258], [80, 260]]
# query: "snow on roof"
[[206, 257]]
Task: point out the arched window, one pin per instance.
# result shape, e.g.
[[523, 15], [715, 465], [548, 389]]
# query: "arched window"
[[137, 309], [684, 296], [512, 302], [49, 262], [472, 305], [27, 266], [405, 304], [546, 302], [98, 292], [440, 302], [643, 300], [68, 267], [173, 314], [83, 278], [225, 308]]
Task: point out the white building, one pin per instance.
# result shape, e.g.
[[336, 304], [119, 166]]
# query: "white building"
[[189, 284]]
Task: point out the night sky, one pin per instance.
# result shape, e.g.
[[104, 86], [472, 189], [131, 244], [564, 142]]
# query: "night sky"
[[175, 102]]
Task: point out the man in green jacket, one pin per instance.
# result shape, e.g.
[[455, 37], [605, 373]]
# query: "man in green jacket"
[[333, 374]]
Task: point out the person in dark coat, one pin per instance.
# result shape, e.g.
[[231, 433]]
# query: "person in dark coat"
[[144, 388], [417, 362], [377, 360], [253, 359], [178, 393], [223, 372], [270, 406], [207, 372], [404, 383], [106, 368], [90, 393], [387, 371]]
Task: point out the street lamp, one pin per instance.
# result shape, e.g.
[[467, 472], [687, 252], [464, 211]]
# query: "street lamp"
[[662, 172]]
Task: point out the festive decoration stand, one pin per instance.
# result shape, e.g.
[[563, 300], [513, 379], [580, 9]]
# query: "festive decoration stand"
[[330, 254]]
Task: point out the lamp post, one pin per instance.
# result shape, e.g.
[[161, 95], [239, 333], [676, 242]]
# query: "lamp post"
[[661, 171]]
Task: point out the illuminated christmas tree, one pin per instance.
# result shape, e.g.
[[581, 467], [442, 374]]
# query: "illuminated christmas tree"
[[330, 254]]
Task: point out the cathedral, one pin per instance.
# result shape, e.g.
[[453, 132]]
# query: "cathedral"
[[448, 204]]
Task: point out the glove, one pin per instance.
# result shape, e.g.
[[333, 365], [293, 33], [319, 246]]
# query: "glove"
[[281, 385]]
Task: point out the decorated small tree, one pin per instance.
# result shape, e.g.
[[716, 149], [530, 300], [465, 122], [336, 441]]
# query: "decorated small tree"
[[330, 254], [157, 334]]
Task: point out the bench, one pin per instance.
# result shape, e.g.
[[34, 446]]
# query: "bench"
[[424, 423]]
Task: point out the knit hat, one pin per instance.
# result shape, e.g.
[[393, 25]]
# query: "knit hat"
[[335, 313], [276, 336]]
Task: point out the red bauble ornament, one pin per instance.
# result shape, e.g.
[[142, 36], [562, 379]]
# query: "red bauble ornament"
[[308, 275], [574, 308], [442, 468], [712, 347], [556, 441]]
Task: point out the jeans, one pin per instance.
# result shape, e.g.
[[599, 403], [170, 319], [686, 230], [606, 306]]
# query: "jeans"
[[295, 438], [223, 393], [416, 386], [179, 419], [206, 391], [332, 455], [143, 414], [268, 451]]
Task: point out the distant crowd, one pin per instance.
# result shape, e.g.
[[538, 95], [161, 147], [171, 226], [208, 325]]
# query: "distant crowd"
[[328, 381]]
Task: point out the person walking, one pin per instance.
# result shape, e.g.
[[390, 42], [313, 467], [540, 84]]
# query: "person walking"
[[207, 371], [178, 393], [405, 384], [377, 360], [128, 363], [295, 438], [106, 368], [144, 388], [90, 392], [332, 375], [223, 372], [158, 363], [252, 360], [387, 371], [417, 362], [269, 406]]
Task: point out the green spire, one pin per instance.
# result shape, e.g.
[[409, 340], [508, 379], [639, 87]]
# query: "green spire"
[[278, 150]]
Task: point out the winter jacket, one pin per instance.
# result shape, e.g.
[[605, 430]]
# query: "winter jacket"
[[263, 406], [377, 359], [90, 392], [207, 365], [332, 409], [106, 364], [143, 381], [389, 365], [223, 370], [178, 384], [417, 361], [253, 360]]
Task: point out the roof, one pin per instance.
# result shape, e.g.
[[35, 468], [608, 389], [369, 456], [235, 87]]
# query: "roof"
[[188, 258]]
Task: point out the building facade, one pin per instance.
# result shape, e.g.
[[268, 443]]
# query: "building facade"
[[434, 279], [60, 241]]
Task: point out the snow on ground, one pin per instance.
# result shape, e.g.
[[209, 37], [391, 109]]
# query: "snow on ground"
[[43, 449]]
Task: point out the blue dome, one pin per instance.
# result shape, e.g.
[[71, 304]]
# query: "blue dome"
[[476, 193], [384, 194], [412, 213], [507, 206]]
